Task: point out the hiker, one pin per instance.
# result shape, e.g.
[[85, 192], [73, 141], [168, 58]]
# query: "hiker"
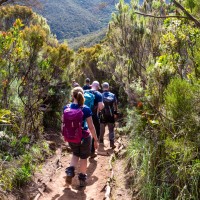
[[78, 134], [108, 114], [96, 107], [87, 85], [75, 84]]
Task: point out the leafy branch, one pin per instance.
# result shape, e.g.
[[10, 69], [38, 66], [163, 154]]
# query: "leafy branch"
[[189, 16], [178, 5], [160, 17]]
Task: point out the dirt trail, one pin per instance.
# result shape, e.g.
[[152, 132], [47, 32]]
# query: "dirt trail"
[[98, 174]]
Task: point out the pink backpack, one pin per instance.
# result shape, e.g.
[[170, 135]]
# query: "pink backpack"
[[72, 127]]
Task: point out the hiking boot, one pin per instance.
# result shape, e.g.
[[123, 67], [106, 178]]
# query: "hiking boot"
[[93, 155], [82, 179], [70, 174], [112, 145], [101, 141]]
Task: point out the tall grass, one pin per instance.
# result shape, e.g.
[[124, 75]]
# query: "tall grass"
[[165, 155]]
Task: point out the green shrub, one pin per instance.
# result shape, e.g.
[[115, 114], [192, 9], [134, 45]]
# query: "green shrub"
[[166, 166], [182, 107], [19, 170], [179, 99], [22, 175]]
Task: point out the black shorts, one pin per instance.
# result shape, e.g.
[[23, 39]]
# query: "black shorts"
[[83, 149], [104, 120]]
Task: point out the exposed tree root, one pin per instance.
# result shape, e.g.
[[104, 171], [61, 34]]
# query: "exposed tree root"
[[117, 150]]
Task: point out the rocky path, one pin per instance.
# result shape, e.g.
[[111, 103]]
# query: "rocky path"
[[108, 176], [98, 173]]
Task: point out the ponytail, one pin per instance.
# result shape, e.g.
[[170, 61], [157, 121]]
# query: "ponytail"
[[80, 99], [77, 92]]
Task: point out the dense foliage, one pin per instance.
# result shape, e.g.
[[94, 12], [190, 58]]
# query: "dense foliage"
[[152, 51], [34, 82], [150, 56]]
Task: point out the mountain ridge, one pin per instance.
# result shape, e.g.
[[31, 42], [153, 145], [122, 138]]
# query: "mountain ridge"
[[72, 18]]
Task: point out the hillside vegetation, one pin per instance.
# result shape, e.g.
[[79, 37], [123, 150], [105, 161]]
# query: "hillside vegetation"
[[87, 40], [151, 55], [151, 58], [74, 18], [33, 71]]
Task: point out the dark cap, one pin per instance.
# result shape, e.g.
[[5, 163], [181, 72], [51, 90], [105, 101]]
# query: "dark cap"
[[87, 80]]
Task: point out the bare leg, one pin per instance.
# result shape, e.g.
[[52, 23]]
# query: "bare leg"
[[83, 166], [70, 170], [74, 161]]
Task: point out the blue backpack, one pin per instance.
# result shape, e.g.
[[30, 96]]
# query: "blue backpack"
[[89, 99], [108, 110]]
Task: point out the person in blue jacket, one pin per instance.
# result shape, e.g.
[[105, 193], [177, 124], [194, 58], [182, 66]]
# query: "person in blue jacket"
[[98, 106], [87, 85]]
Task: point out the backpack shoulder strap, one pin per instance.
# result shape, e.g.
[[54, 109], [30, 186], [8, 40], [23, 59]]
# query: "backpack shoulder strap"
[[81, 107], [67, 106], [88, 90], [92, 91]]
